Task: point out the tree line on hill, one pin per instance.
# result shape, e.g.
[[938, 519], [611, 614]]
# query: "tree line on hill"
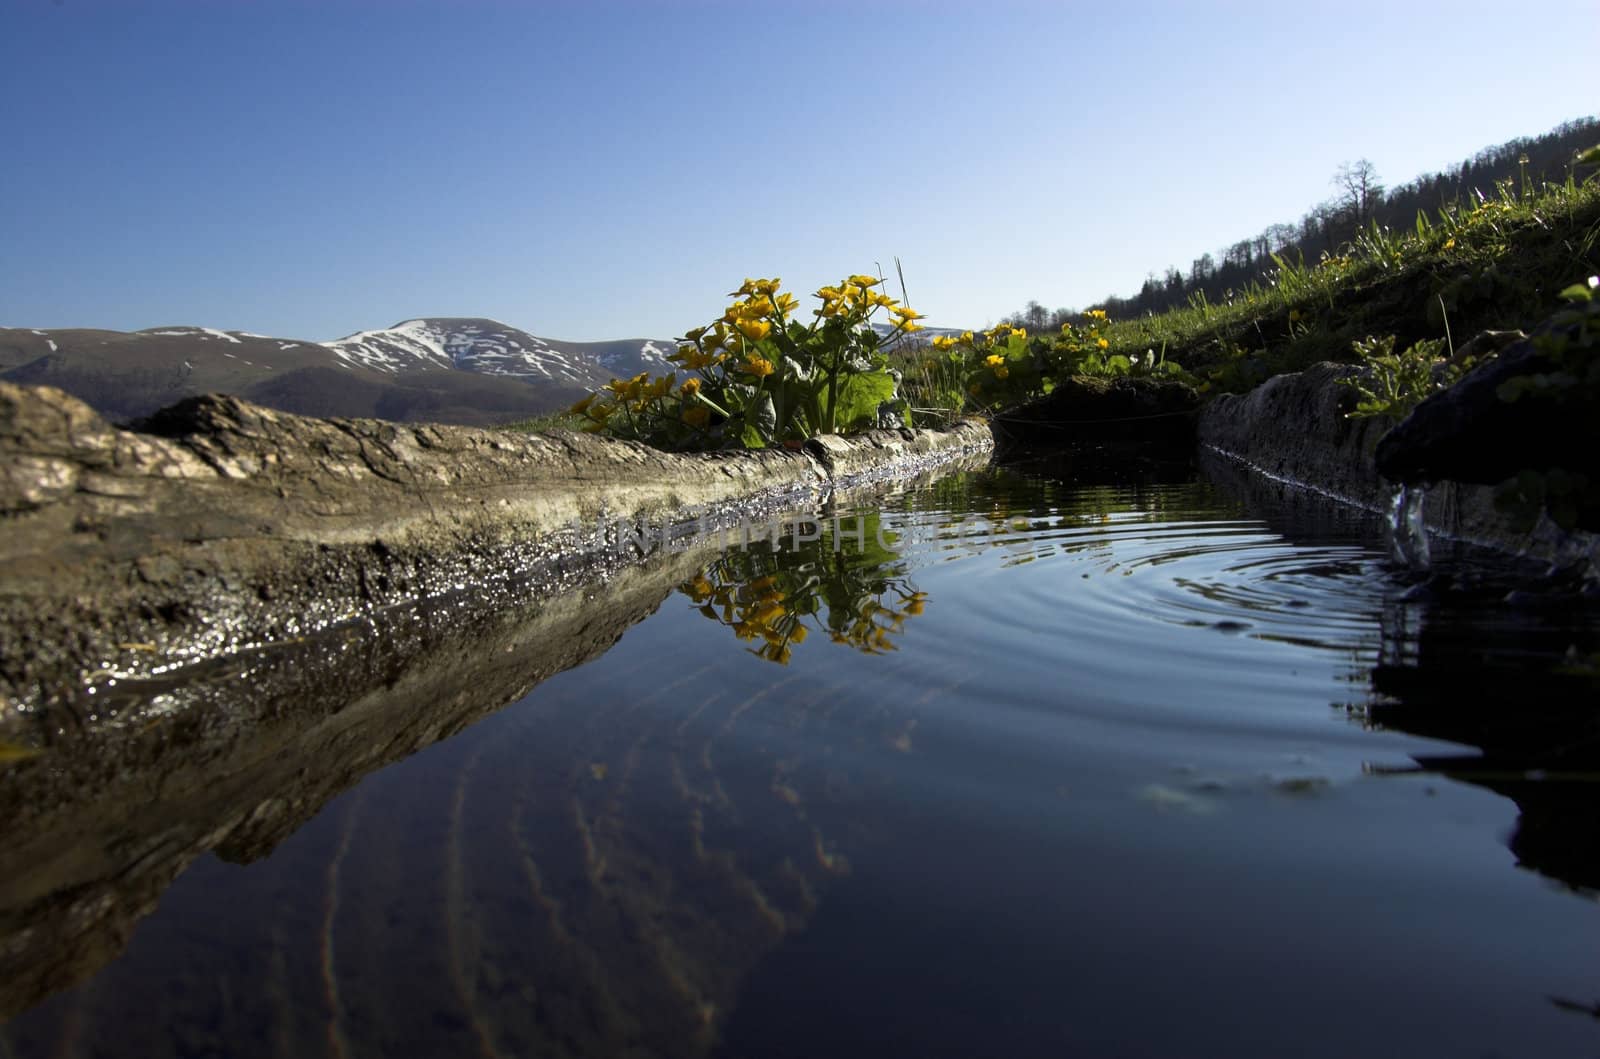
[[1525, 165]]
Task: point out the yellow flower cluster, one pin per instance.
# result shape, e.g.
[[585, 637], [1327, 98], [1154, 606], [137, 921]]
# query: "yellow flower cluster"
[[854, 299], [1090, 340], [732, 358]]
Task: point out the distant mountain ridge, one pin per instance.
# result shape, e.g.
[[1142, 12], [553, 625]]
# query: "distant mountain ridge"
[[466, 370]]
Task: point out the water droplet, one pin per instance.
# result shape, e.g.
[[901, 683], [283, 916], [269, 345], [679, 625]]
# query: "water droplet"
[[1408, 534]]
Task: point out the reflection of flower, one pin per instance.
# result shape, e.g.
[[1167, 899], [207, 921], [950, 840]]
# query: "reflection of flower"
[[858, 596]]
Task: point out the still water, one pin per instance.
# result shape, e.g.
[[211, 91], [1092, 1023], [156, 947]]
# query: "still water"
[[1016, 763]]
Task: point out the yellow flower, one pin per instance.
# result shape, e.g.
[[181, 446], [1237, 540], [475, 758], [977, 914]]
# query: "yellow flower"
[[752, 309], [905, 312], [864, 281], [1096, 314], [694, 333], [994, 360], [582, 407], [966, 336], [1102, 343], [696, 360], [787, 303], [691, 387], [1001, 372], [754, 330], [757, 366], [943, 342], [1450, 243], [914, 608], [798, 634], [757, 288], [1020, 332], [628, 389], [697, 416]]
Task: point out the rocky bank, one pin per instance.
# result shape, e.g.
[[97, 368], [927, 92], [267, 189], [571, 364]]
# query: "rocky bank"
[[218, 527]]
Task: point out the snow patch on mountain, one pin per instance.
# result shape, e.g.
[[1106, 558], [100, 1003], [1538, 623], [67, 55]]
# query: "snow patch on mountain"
[[651, 351], [407, 346], [491, 348], [202, 332]]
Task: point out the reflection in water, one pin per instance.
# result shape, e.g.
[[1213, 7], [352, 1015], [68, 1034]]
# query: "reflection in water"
[[1077, 765], [842, 575], [1469, 669]]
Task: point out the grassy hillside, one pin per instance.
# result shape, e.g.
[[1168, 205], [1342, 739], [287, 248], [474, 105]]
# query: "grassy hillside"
[[1489, 265]]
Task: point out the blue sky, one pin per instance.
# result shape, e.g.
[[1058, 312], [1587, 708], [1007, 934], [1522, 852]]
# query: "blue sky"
[[591, 171]]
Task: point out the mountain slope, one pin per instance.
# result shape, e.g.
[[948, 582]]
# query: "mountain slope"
[[442, 369], [488, 347]]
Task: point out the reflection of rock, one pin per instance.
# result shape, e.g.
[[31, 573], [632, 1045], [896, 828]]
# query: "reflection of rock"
[[1457, 663], [1543, 754], [599, 876], [96, 830], [220, 524]]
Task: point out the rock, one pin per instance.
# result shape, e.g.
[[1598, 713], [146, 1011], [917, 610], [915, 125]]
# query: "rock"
[[1293, 432], [1468, 433], [1297, 428]]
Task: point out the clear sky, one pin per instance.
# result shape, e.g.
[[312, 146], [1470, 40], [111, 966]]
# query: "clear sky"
[[599, 170]]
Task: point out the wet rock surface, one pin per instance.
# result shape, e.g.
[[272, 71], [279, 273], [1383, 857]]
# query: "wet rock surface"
[[1295, 428], [218, 526]]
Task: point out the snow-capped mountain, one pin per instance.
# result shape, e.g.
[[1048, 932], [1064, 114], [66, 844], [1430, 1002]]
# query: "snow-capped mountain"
[[488, 347], [439, 369]]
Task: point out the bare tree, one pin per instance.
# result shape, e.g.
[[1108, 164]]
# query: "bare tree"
[[1359, 190], [1035, 317]]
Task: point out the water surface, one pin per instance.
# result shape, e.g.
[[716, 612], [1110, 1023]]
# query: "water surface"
[[1017, 763]]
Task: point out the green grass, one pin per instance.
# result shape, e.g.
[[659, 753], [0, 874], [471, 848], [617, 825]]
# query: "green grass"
[[1496, 263], [562, 420]]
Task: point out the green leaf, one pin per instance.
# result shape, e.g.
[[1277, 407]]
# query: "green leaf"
[[859, 397]]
